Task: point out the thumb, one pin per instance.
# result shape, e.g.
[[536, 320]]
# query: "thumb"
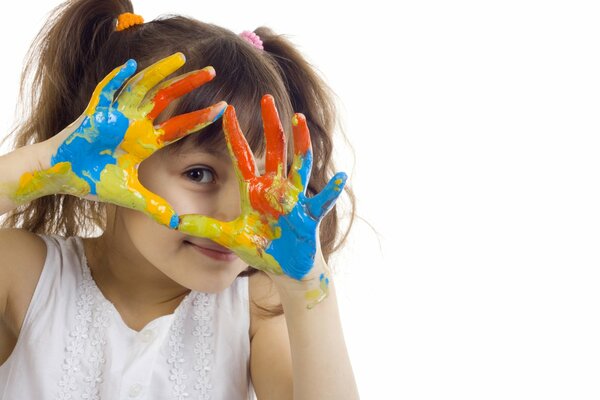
[[322, 203]]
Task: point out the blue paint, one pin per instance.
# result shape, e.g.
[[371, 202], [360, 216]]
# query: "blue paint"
[[305, 168], [295, 249], [108, 92], [174, 223], [105, 131], [101, 131], [320, 204]]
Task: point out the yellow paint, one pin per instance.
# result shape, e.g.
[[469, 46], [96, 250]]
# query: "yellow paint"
[[121, 186], [315, 296], [89, 134], [295, 176], [145, 80], [247, 236], [140, 140], [91, 108], [57, 179], [281, 195]]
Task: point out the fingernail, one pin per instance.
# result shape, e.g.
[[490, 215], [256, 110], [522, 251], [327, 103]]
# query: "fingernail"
[[220, 107]]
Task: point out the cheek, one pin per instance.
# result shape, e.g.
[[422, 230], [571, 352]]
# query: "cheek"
[[157, 244], [155, 176], [147, 235], [167, 183], [162, 248]]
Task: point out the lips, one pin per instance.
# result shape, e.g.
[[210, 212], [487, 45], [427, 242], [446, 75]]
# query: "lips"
[[212, 250], [210, 245]]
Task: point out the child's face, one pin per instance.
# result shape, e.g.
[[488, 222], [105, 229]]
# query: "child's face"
[[193, 181]]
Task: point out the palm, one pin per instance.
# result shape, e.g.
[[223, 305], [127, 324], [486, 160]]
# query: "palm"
[[277, 229]]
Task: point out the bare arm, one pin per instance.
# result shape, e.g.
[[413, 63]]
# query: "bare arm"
[[14, 165], [309, 359], [320, 361]]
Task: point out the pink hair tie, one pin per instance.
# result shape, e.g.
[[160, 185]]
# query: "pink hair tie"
[[253, 39]]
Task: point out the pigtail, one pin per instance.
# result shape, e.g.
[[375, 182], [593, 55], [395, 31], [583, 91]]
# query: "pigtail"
[[61, 70], [310, 96]]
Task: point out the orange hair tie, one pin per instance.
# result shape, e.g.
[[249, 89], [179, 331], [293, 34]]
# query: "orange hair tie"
[[127, 20]]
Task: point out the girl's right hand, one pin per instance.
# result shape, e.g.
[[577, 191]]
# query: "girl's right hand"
[[97, 156]]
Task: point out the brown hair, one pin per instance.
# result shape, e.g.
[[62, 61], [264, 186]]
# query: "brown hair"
[[79, 45]]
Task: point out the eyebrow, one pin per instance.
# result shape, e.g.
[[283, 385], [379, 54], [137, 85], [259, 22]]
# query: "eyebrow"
[[260, 163], [209, 151]]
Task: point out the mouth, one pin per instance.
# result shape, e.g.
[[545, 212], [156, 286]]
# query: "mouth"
[[214, 251]]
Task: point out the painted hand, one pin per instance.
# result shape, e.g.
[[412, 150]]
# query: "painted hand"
[[277, 231], [98, 156]]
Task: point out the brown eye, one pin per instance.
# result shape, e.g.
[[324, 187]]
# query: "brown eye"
[[200, 175]]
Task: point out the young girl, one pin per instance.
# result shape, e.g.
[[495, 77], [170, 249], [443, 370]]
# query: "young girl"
[[209, 280]]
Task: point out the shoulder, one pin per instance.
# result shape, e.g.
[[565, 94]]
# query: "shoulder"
[[21, 264]]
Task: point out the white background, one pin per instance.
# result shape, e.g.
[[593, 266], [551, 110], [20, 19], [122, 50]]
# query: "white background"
[[476, 132]]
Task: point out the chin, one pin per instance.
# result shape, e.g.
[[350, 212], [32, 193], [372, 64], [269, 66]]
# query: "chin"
[[213, 284]]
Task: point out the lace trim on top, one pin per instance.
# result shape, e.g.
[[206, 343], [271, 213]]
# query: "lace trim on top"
[[203, 305], [89, 333]]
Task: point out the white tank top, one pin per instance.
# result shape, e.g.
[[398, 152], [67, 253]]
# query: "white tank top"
[[75, 345]]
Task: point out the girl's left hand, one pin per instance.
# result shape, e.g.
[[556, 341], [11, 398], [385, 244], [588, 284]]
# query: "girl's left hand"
[[277, 231]]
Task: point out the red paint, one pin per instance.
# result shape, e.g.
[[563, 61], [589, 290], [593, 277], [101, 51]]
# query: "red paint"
[[276, 156], [179, 126], [178, 87], [302, 144], [239, 146], [244, 159]]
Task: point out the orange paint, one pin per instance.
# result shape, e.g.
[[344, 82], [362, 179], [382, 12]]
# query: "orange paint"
[[276, 157], [177, 87]]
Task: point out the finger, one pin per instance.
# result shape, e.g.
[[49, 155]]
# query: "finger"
[[105, 91], [166, 92], [276, 147], [182, 125], [157, 207], [320, 204], [136, 89], [302, 164], [121, 186], [202, 226], [238, 146]]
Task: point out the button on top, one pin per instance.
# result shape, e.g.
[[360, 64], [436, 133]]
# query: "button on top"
[[135, 390], [147, 335]]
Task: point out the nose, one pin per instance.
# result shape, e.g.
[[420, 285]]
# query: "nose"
[[227, 206]]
